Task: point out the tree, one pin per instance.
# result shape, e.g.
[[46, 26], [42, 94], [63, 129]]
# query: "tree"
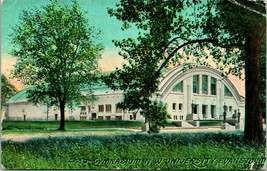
[[7, 90], [251, 29], [56, 54], [172, 31]]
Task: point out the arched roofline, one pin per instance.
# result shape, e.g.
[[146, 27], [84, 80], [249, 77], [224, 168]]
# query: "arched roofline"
[[177, 74]]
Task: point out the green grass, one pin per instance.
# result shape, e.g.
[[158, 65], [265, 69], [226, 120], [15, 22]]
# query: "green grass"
[[31, 125], [134, 151], [210, 122], [32, 131]]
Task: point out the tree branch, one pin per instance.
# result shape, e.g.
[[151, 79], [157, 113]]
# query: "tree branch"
[[243, 6], [212, 41]]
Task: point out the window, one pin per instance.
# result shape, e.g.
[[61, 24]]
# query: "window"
[[225, 108], [195, 84], [227, 92], [83, 108], [93, 115], [118, 117], [181, 117], [174, 117], [118, 110], [180, 106], [100, 118], [82, 117], [178, 87], [195, 108], [213, 86], [204, 109], [108, 108], [174, 106], [204, 84], [108, 117], [89, 109], [101, 108], [230, 108], [212, 111]]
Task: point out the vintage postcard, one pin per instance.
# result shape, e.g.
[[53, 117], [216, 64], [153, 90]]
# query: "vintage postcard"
[[133, 85]]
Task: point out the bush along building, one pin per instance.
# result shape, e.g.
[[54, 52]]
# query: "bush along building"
[[198, 93]]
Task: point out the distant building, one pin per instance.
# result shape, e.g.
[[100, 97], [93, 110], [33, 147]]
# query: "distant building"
[[191, 94]]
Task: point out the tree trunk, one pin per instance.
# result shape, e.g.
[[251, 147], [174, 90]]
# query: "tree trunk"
[[62, 115], [253, 117]]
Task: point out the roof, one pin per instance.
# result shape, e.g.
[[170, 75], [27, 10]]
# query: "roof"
[[21, 96], [101, 88]]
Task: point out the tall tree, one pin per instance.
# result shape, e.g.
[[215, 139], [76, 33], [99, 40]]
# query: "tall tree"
[[172, 31], [251, 32], [56, 54], [7, 90]]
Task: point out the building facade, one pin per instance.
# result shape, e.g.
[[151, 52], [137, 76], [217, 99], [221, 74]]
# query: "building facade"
[[191, 94]]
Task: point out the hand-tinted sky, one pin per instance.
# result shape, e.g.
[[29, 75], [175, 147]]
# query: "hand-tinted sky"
[[96, 12]]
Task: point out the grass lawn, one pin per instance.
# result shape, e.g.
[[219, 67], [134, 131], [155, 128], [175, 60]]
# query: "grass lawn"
[[31, 125], [33, 131], [220, 150]]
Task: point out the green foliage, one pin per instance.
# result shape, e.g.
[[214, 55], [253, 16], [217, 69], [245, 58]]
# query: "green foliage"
[[56, 53], [87, 152], [7, 90], [156, 113], [180, 31]]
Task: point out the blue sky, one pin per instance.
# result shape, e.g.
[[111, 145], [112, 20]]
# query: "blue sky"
[[97, 13]]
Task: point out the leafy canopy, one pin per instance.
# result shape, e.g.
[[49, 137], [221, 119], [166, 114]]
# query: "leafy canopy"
[[56, 52]]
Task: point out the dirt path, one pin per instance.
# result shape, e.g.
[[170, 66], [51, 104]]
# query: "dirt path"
[[25, 136]]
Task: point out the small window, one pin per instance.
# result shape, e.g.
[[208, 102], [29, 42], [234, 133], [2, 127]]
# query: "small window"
[[181, 117], [100, 118], [204, 109], [108, 108], [180, 106], [89, 109], [212, 111], [83, 108], [108, 117], [118, 118], [195, 108], [101, 108], [230, 108], [178, 87], [82, 117], [225, 108], [174, 106]]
